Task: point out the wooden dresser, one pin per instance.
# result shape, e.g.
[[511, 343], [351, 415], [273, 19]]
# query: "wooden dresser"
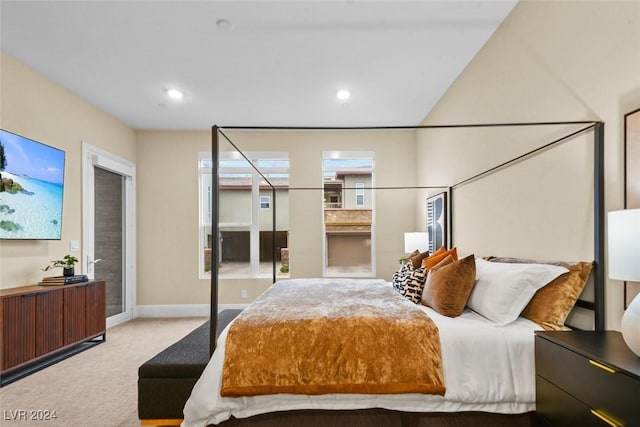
[[40, 321], [586, 378]]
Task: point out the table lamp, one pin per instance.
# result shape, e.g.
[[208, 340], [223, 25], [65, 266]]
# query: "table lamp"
[[624, 264], [416, 240]]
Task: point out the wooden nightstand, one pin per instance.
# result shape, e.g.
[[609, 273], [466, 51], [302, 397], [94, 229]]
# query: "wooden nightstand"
[[586, 378]]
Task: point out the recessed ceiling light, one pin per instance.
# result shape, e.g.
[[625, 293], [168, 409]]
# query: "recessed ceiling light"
[[343, 95], [175, 94], [224, 25]]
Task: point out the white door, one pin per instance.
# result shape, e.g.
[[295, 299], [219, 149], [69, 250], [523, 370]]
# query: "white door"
[[108, 228]]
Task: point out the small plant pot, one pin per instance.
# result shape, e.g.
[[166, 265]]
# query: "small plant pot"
[[69, 271]]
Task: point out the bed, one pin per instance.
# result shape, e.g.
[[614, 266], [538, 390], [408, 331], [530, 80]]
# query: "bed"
[[488, 369]]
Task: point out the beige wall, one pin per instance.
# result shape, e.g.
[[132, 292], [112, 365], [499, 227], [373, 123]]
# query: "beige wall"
[[168, 207], [549, 61], [36, 108], [168, 227]]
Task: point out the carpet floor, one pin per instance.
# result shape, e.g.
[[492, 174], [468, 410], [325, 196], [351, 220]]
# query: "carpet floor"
[[97, 387]]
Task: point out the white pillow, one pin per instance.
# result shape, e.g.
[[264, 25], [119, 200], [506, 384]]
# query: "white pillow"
[[503, 290]]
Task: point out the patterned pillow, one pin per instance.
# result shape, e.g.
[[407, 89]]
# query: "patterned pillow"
[[398, 277], [409, 281]]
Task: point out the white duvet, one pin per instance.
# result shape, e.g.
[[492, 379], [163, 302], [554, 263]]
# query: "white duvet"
[[486, 368]]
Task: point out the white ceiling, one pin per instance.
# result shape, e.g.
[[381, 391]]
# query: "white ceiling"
[[280, 65]]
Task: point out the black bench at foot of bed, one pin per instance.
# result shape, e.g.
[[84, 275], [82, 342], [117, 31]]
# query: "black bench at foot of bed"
[[166, 380]]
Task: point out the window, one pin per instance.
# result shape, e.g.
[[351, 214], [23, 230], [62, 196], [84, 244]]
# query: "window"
[[348, 213], [359, 194], [246, 237], [265, 202]]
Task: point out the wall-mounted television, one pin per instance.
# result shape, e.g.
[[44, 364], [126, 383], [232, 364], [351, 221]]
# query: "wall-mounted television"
[[31, 188]]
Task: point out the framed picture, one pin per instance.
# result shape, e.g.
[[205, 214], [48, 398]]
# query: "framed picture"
[[437, 221], [632, 181]]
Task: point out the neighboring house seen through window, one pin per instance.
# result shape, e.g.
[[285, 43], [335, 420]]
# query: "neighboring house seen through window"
[[348, 215], [245, 243]]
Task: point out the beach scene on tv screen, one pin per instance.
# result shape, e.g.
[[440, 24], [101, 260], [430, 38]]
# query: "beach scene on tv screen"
[[31, 184]]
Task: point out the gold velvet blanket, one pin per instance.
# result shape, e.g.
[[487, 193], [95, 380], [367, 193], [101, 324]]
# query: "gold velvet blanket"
[[318, 336]]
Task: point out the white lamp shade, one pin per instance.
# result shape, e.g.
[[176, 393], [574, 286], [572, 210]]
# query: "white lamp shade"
[[624, 245], [624, 264], [416, 240]]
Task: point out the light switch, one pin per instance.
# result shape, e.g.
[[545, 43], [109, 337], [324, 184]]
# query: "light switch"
[[74, 246]]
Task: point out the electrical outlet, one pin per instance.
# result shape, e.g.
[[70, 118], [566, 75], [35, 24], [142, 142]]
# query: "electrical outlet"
[[243, 293]]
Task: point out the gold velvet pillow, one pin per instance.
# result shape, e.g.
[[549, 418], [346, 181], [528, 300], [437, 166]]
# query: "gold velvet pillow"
[[448, 286], [552, 303], [434, 259]]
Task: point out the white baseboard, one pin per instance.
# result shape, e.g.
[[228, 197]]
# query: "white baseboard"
[[116, 320], [181, 310]]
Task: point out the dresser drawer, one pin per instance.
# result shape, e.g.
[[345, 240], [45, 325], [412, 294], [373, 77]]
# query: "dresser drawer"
[[595, 385], [554, 407]]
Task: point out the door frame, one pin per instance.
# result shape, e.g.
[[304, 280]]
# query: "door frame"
[[93, 156]]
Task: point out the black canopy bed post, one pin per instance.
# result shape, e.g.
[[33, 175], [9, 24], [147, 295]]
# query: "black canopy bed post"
[[273, 235], [215, 228], [215, 239], [450, 216], [598, 222]]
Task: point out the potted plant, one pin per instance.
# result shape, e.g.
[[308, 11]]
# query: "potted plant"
[[67, 263]]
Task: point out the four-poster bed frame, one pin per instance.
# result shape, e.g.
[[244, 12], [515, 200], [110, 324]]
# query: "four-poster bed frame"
[[384, 417], [597, 306]]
